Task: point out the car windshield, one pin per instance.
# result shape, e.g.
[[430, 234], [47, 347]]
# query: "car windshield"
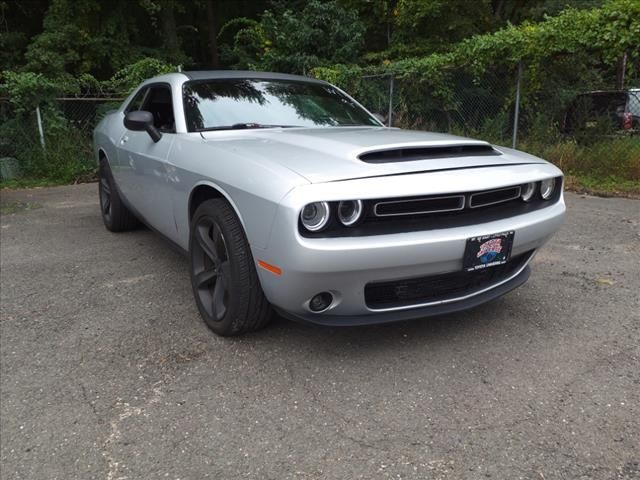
[[256, 103]]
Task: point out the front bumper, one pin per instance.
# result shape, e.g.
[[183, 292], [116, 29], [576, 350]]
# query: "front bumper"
[[343, 266], [413, 313]]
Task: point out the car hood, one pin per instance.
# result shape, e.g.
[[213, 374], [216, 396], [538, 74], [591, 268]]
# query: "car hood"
[[340, 153]]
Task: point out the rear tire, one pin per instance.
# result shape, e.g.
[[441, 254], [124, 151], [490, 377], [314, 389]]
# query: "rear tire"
[[223, 274], [115, 215]]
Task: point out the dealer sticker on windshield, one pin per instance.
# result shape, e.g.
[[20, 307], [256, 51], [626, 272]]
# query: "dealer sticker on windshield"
[[487, 251]]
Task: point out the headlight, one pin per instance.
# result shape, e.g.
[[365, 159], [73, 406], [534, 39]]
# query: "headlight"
[[547, 188], [528, 191], [315, 216], [349, 212]]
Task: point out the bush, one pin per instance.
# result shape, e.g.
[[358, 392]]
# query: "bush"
[[66, 157]]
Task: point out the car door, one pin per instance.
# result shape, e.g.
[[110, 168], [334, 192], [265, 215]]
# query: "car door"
[[144, 170]]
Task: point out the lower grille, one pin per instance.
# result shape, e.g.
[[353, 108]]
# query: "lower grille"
[[415, 291]]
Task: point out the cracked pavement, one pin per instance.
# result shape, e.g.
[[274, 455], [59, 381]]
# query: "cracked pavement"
[[107, 371]]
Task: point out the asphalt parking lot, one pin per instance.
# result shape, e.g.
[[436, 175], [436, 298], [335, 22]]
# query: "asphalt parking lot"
[[107, 371]]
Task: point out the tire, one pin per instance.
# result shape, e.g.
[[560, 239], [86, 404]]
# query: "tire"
[[223, 274], [115, 215]]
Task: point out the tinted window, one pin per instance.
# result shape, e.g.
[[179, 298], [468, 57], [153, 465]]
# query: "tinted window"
[[136, 101], [160, 104], [220, 104]]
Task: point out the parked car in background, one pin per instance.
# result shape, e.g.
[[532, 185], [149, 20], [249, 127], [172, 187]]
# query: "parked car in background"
[[604, 111], [287, 194]]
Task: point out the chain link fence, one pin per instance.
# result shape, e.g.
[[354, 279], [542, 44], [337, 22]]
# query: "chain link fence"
[[500, 106], [583, 124], [52, 140]]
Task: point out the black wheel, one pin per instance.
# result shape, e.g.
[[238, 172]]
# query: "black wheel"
[[223, 275], [115, 215]]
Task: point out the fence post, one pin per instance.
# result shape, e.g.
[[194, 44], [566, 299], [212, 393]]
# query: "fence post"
[[40, 129], [516, 114], [390, 98]]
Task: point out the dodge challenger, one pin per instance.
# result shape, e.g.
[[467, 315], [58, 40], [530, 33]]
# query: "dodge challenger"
[[289, 196]]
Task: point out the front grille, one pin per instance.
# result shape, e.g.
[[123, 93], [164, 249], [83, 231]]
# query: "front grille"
[[416, 291], [384, 216], [493, 197], [419, 206]]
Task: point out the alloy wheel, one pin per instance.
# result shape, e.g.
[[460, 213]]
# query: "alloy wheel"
[[105, 197], [211, 268]]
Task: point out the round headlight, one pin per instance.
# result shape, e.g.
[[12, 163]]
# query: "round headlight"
[[528, 191], [547, 188], [349, 212], [315, 216]]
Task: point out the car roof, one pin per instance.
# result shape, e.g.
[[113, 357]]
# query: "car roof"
[[224, 74]]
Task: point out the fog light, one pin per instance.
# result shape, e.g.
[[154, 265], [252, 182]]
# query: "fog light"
[[547, 188], [320, 302], [349, 212], [528, 191]]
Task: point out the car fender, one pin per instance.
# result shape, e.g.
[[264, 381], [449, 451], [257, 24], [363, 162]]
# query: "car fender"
[[225, 195]]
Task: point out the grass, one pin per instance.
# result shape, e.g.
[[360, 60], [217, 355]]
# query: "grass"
[[605, 167], [14, 207], [53, 181], [30, 183], [604, 187]]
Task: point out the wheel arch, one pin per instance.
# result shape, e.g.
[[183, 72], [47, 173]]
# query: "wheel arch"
[[206, 191]]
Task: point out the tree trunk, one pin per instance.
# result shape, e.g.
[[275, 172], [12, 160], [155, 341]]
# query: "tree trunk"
[[169, 30], [213, 31], [621, 71]]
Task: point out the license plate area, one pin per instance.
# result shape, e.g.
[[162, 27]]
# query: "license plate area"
[[487, 251]]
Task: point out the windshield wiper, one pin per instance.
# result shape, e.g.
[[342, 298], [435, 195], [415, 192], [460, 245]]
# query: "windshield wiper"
[[243, 126]]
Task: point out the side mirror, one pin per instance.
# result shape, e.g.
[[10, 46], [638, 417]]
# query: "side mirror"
[[142, 121]]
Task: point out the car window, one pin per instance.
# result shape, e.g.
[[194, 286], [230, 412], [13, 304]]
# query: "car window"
[[160, 104], [136, 101], [258, 103]]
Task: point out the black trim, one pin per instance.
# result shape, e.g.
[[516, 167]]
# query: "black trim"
[[432, 288], [410, 154], [493, 197], [446, 169], [409, 314], [248, 74]]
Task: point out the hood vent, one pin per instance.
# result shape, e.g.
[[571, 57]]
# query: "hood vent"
[[409, 154]]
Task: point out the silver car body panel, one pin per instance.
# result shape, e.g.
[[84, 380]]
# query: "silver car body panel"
[[268, 175]]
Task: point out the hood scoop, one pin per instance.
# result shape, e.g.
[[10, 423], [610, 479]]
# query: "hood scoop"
[[410, 154]]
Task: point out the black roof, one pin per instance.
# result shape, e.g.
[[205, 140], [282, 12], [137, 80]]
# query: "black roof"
[[221, 74]]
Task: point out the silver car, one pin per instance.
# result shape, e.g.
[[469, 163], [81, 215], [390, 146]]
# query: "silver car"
[[289, 196]]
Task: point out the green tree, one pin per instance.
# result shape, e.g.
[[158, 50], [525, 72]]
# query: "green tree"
[[84, 36], [295, 41]]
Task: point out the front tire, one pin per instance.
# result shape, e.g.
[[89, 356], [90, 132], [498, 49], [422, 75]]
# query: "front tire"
[[115, 215], [223, 275]]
